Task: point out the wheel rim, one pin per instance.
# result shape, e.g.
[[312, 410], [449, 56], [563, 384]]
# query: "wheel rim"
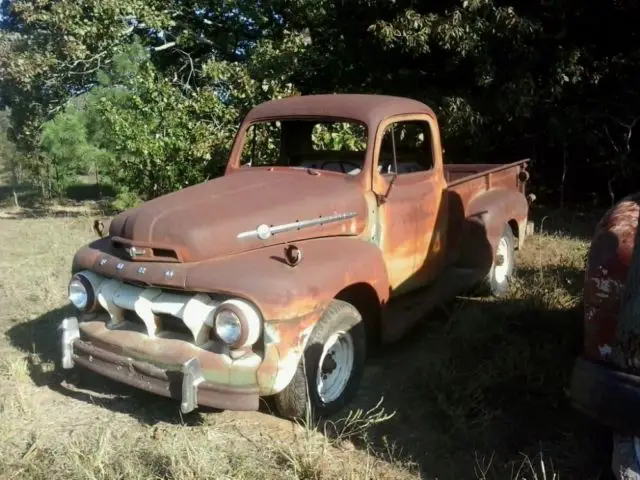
[[501, 270], [335, 366]]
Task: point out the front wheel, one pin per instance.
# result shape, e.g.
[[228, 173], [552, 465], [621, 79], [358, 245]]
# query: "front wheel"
[[330, 370]]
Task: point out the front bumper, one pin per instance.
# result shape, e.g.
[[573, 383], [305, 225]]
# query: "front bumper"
[[609, 396], [184, 382]]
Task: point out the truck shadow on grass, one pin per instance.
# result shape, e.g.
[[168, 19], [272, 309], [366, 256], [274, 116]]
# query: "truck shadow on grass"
[[483, 383], [40, 338]]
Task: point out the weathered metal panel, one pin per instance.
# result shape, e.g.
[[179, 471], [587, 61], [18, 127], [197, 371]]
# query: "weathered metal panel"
[[203, 221], [605, 276]]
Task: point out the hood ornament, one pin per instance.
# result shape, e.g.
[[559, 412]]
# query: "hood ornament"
[[134, 252]]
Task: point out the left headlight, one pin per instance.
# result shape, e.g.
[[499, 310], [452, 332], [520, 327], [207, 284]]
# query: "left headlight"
[[237, 323], [81, 293]]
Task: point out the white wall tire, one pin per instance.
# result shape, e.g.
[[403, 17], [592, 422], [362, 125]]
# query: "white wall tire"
[[330, 370], [499, 277]]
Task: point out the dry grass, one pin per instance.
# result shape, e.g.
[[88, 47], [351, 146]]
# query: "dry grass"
[[478, 392]]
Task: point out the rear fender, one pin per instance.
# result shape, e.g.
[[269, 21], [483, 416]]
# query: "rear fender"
[[486, 216]]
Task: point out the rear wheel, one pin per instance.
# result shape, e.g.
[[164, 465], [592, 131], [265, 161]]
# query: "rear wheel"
[[499, 277], [330, 370]]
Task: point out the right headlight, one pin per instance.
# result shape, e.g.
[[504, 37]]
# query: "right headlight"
[[78, 293], [82, 290], [237, 323], [81, 293]]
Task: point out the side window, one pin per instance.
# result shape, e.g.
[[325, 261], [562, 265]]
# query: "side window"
[[406, 146], [262, 144]]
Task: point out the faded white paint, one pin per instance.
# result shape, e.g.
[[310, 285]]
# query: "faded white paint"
[[606, 286], [196, 311], [605, 350], [115, 298], [288, 365]]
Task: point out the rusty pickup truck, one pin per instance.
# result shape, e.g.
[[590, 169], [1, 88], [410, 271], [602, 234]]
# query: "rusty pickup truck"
[[335, 226]]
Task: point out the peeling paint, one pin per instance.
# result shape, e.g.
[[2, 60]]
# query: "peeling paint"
[[605, 350], [605, 276]]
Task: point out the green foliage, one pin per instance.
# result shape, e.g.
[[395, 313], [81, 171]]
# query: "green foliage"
[[162, 85], [9, 157], [68, 150], [340, 136]]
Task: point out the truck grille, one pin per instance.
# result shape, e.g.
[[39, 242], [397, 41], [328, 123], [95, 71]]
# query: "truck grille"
[[153, 311]]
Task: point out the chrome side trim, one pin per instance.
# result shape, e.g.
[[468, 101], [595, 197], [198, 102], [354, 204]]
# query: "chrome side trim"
[[264, 232]]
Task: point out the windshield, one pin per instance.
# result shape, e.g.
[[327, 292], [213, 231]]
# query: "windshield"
[[321, 144]]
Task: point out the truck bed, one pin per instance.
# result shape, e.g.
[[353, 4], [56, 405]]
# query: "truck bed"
[[464, 182], [490, 174]]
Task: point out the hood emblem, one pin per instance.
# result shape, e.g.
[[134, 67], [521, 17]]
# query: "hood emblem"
[[120, 266], [264, 231], [135, 251]]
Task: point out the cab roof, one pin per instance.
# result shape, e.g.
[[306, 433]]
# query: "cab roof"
[[366, 108]]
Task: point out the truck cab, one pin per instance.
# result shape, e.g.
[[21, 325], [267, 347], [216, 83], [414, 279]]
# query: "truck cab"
[[335, 222]]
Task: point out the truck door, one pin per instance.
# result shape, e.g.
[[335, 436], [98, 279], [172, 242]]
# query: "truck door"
[[413, 214]]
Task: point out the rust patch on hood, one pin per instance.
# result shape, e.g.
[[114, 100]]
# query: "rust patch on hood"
[[203, 221]]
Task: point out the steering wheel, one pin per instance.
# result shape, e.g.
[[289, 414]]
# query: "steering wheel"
[[342, 164]]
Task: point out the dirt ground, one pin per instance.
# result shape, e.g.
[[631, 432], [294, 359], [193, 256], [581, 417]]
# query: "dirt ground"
[[477, 391]]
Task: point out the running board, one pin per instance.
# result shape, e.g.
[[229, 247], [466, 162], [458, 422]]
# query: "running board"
[[405, 312]]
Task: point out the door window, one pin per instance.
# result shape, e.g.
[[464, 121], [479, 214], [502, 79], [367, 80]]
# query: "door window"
[[406, 147]]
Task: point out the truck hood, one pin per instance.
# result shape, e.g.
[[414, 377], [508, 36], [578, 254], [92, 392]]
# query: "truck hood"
[[204, 221]]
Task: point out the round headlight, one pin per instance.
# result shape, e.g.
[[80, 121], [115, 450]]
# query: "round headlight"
[[81, 293], [228, 326], [237, 323], [78, 294]]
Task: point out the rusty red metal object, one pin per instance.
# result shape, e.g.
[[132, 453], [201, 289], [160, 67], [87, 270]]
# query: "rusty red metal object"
[[606, 273], [368, 237]]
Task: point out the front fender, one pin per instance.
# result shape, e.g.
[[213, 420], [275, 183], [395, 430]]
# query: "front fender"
[[292, 299]]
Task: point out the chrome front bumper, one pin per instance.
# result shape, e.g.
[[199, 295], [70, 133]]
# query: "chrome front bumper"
[[194, 389]]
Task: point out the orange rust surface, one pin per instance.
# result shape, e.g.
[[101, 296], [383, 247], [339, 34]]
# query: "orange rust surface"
[[262, 276], [203, 221], [606, 273]]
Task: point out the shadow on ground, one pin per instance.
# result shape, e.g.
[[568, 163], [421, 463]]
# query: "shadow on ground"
[[481, 382], [40, 338]]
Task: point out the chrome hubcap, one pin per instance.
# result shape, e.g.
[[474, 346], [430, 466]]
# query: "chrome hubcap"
[[335, 366], [501, 267]]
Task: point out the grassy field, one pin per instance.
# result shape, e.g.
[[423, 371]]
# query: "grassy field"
[[478, 391]]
